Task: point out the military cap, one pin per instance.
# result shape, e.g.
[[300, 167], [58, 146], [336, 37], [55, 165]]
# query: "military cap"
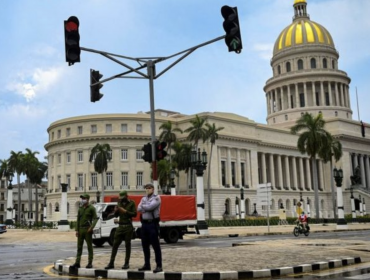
[[149, 185], [122, 194], [85, 195]]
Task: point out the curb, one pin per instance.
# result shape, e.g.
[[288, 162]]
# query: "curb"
[[234, 275]]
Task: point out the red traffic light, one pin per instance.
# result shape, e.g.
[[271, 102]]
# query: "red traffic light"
[[72, 24], [72, 40]]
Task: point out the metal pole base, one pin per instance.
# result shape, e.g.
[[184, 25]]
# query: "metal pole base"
[[342, 224], [202, 228], [63, 225]]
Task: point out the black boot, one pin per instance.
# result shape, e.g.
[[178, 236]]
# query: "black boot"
[[109, 266], [89, 265], [75, 265], [158, 269], [126, 266], [144, 268]]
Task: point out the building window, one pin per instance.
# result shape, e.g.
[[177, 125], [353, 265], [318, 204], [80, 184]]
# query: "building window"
[[325, 63], [139, 154], [279, 69], [288, 69], [68, 180], [291, 101], [313, 63], [124, 179], [124, 153], [139, 128], [68, 157], [94, 179], [317, 98], [301, 99], [59, 181], [59, 158], [336, 113], [302, 114], [124, 127], [233, 173], [242, 173], [347, 115], [327, 100], [59, 133], [110, 155], [109, 179], [333, 64], [52, 136], [80, 180], [94, 128], [300, 64], [80, 157], [223, 172], [286, 117], [108, 128], [68, 131], [139, 179], [79, 130]]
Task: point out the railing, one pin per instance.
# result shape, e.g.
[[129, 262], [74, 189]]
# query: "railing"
[[140, 187], [109, 187], [94, 188], [124, 187]]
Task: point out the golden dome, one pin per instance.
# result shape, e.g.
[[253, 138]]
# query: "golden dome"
[[299, 1]]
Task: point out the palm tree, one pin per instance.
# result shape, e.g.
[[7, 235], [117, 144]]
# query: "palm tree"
[[196, 132], [163, 170], [16, 164], [168, 135], [30, 162], [100, 154], [314, 140], [4, 170], [39, 171], [335, 151], [212, 136]]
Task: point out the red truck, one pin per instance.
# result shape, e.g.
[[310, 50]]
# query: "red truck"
[[178, 217]]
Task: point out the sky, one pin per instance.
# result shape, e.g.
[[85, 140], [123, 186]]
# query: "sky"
[[37, 87]]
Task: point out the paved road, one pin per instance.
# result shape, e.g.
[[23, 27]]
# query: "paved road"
[[27, 261]]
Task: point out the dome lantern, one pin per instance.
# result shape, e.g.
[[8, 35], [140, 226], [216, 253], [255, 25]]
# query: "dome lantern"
[[300, 9]]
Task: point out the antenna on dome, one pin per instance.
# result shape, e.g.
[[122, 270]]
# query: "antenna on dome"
[[358, 108]]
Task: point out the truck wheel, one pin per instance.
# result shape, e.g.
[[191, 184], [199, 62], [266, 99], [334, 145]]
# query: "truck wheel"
[[111, 237], [172, 235], [98, 242]]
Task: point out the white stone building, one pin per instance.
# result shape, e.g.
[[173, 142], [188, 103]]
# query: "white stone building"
[[306, 78]]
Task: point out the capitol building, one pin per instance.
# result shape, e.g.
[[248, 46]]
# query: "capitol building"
[[305, 79]]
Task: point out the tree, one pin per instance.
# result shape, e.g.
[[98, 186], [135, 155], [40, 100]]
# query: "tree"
[[336, 152], [212, 136], [4, 170], [16, 163], [38, 173], [313, 141], [163, 170], [30, 163], [168, 135], [100, 155]]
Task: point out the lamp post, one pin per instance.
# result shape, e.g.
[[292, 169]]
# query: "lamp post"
[[44, 214], [308, 208], [9, 213], [237, 208], [63, 224], [98, 196], [199, 163], [255, 209], [353, 204], [361, 208], [242, 203], [338, 177], [173, 186]]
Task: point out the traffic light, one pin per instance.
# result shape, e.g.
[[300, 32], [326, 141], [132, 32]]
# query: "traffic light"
[[95, 94], [147, 152], [233, 38], [160, 152], [72, 40]]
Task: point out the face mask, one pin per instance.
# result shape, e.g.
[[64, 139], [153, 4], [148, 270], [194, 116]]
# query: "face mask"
[[83, 201], [149, 191]]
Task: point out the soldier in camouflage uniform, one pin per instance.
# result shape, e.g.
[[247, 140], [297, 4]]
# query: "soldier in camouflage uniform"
[[125, 210], [86, 221]]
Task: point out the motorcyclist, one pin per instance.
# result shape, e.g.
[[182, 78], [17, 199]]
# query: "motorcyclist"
[[303, 220]]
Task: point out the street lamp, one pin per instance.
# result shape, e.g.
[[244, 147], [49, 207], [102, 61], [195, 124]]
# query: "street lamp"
[[199, 163], [98, 196], [9, 213], [63, 224], [242, 203], [338, 177], [172, 183]]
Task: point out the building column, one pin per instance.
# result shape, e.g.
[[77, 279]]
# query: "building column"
[[344, 99], [363, 181], [219, 167], [280, 172], [228, 168], [295, 177], [268, 103], [289, 98], [314, 94], [272, 171], [297, 103], [282, 99], [253, 167], [248, 170], [308, 172], [287, 172], [322, 94], [321, 174], [330, 96], [350, 164], [348, 96], [305, 94], [263, 167], [238, 169], [367, 170], [271, 102], [301, 173], [336, 94], [355, 157]]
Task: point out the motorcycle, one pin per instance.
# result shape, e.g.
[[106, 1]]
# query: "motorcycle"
[[298, 229]]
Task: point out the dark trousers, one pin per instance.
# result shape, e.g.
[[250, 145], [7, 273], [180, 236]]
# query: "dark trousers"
[[82, 236], [149, 236], [122, 233]]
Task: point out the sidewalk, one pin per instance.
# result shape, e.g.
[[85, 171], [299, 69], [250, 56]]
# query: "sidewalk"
[[244, 260]]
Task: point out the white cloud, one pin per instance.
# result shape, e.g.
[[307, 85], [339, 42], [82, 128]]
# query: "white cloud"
[[37, 82]]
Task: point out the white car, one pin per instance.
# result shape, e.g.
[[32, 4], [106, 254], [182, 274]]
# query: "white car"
[[2, 228]]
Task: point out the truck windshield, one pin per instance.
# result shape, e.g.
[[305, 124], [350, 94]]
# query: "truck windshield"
[[99, 207]]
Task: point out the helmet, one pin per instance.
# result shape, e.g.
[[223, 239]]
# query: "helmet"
[[302, 212]]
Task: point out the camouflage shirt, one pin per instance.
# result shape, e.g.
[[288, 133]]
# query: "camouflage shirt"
[[86, 217]]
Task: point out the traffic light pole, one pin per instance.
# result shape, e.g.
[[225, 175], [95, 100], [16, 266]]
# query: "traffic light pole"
[[149, 63]]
